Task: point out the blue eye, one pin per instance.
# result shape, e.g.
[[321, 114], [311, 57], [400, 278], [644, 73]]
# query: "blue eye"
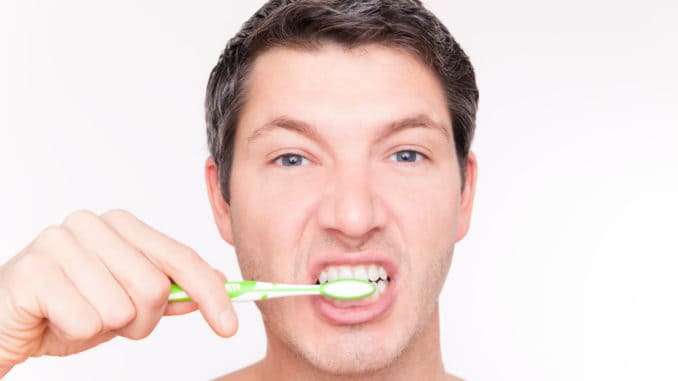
[[291, 160], [407, 156]]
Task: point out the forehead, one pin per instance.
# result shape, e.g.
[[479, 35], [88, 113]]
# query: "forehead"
[[334, 86]]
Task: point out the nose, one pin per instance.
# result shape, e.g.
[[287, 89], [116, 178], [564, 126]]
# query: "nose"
[[351, 209]]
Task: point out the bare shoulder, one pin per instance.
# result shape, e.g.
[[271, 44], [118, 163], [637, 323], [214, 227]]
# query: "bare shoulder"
[[250, 372]]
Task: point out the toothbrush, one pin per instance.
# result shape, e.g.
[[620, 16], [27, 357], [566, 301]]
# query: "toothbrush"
[[249, 290]]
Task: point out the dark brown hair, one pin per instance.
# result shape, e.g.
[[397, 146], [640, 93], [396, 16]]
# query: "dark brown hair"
[[405, 24]]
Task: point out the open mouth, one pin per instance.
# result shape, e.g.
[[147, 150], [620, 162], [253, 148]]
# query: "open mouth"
[[373, 273], [377, 268]]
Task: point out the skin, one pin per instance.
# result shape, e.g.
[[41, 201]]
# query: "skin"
[[348, 192]]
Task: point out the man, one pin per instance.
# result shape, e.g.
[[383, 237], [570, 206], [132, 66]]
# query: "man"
[[339, 134]]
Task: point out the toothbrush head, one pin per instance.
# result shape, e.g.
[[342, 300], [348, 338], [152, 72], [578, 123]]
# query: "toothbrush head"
[[347, 289]]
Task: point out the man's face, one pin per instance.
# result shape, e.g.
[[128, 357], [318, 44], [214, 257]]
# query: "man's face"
[[345, 164]]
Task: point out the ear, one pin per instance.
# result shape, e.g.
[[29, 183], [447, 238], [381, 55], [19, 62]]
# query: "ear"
[[220, 208], [467, 196]]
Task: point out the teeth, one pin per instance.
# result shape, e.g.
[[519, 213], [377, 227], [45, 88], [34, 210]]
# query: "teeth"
[[360, 272], [345, 272], [381, 286], [373, 273], [382, 273], [377, 275], [332, 274]]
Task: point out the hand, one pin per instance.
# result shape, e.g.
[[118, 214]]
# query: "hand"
[[93, 278]]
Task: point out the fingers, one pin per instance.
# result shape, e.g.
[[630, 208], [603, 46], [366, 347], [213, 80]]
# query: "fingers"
[[57, 300], [183, 265], [180, 308], [38, 298], [146, 286], [90, 277]]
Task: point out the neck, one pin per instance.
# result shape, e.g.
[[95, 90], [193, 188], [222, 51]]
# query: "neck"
[[420, 360]]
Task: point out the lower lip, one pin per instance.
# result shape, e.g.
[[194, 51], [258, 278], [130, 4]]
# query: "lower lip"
[[335, 312]]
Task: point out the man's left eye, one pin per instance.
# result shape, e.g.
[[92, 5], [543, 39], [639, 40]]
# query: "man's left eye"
[[407, 156]]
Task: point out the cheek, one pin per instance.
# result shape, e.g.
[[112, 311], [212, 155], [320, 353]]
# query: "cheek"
[[269, 217], [424, 207]]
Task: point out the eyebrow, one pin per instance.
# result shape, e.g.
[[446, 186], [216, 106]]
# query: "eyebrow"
[[286, 123], [420, 121], [306, 129]]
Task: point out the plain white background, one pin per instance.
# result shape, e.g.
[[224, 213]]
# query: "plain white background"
[[568, 271]]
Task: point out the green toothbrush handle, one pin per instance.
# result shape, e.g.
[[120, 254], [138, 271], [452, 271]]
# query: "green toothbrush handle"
[[250, 290], [235, 290]]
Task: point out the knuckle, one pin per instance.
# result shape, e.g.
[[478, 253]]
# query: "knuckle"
[[155, 290], [91, 329], [20, 278], [116, 214], [186, 258], [52, 236], [221, 275], [120, 316], [85, 330], [29, 265], [79, 217]]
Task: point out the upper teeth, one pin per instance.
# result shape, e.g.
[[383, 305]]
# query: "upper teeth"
[[364, 272]]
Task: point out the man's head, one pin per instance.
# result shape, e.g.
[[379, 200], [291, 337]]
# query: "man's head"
[[340, 135], [306, 24]]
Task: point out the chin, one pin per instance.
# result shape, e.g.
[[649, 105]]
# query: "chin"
[[353, 350], [357, 353]]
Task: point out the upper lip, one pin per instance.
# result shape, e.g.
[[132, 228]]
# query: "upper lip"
[[351, 259]]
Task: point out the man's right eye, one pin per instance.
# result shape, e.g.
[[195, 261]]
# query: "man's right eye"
[[291, 160]]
